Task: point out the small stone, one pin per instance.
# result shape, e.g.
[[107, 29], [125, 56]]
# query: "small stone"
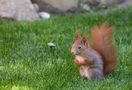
[[44, 15]]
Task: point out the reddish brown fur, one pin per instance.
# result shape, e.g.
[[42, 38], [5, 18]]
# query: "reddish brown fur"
[[94, 63], [88, 60]]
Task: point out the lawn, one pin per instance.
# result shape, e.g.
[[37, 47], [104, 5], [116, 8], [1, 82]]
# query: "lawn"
[[27, 63]]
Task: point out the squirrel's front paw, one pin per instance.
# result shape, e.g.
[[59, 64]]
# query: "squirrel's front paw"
[[76, 62]]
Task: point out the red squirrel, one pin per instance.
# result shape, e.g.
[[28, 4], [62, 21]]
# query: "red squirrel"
[[100, 60]]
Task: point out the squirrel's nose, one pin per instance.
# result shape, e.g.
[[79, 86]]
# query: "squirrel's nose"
[[72, 52]]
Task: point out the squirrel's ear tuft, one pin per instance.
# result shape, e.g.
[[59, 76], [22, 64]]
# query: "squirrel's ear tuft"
[[84, 40], [78, 36], [105, 25]]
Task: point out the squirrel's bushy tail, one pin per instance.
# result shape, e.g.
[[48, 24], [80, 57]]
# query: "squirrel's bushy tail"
[[102, 43]]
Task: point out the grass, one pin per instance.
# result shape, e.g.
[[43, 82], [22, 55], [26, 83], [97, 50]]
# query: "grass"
[[27, 63]]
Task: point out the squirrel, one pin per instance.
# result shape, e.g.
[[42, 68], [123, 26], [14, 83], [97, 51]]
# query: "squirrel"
[[99, 60]]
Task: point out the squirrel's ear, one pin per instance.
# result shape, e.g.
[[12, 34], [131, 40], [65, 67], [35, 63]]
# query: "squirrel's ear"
[[78, 36], [84, 40], [104, 25]]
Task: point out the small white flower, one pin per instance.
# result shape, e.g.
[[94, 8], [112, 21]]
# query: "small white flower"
[[51, 45]]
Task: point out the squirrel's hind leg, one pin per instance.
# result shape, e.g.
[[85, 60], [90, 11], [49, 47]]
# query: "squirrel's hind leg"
[[95, 74]]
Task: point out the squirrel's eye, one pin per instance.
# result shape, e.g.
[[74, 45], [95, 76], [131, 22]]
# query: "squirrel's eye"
[[79, 47]]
